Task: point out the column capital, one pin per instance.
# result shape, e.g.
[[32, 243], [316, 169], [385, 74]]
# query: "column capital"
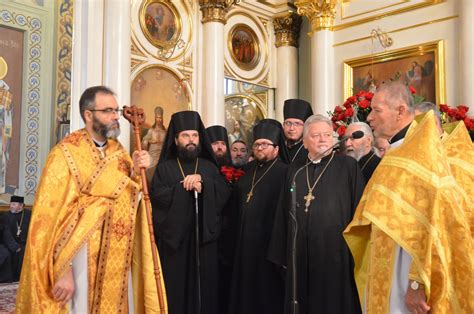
[[321, 13], [287, 29], [215, 10]]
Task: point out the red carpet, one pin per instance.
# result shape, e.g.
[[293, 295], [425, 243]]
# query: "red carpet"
[[7, 297]]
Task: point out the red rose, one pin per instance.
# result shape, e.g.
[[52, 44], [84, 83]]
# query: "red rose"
[[360, 94], [341, 116], [412, 90], [364, 104], [443, 108], [341, 130], [460, 115], [333, 118], [349, 112], [334, 126], [338, 109], [463, 108], [352, 99], [452, 112], [237, 174], [369, 96], [347, 104]]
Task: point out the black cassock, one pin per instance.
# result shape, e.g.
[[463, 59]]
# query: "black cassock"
[[174, 224], [14, 241], [298, 152], [325, 278], [367, 164], [257, 284]]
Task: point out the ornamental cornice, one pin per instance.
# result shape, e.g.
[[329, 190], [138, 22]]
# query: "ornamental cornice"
[[321, 13], [215, 10], [287, 29]]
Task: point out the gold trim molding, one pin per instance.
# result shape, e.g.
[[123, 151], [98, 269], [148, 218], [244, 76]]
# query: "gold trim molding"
[[215, 10], [321, 13], [287, 29]]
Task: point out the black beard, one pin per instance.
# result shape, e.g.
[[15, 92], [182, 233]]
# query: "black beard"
[[222, 161], [186, 154]]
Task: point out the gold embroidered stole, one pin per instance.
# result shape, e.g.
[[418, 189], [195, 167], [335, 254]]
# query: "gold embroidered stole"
[[413, 200]]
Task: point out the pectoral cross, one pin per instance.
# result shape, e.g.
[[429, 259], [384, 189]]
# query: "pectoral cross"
[[249, 196], [308, 198], [18, 232]]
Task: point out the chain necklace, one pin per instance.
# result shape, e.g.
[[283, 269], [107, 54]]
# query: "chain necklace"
[[309, 197], [181, 168], [365, 164], [250, 193], [18, 225]]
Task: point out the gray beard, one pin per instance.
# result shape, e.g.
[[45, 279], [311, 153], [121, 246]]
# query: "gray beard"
[[106, 130]]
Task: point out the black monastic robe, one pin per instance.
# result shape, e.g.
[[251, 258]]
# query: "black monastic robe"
[[14, 241], [174, 224], [257, 284], [297, 151], [367, 165], [325, 278]]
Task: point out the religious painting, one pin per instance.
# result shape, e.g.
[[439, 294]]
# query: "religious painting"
[[242, 113], [244, 47], [421, 67], [160, 23], [160, 93], [11, 89]]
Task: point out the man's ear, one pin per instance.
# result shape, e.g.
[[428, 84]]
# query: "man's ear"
[[402, 109], [88, 116]]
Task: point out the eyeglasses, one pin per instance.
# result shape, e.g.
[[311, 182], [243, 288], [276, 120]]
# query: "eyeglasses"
[[109, 111], [262, 145], [290, 124]]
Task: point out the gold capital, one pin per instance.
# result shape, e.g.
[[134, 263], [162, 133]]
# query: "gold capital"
[[215, 10], [287, 29], [321, 13]]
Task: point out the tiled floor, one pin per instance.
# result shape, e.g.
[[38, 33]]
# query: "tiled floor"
[[7, 297]]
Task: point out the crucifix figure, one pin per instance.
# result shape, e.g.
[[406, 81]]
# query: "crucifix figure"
[[308, 198], [249, 196]]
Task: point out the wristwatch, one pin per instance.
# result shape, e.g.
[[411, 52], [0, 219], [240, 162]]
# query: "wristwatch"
[[415, 285]]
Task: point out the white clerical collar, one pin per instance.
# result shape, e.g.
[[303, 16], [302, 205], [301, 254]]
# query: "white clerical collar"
[[317, 161]]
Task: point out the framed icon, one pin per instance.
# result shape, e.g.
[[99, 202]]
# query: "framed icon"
[[244, 47], [160, 22]]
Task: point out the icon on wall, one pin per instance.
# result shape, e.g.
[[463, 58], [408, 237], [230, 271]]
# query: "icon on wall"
[[244, 47]]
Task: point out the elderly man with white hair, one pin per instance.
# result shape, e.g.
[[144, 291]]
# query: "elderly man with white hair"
[[327, 188], [362, 149]]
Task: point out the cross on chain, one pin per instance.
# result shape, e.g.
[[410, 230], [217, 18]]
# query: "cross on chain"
[[308, 198], [249, 196]]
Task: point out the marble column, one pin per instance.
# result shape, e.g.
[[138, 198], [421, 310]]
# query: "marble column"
[[466, 49], [98, 59], [287, 30], [321, 14], [212, 93]]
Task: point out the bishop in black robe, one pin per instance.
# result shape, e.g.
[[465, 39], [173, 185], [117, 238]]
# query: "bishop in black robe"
[[257, 284], [174, 217], [324, 265]]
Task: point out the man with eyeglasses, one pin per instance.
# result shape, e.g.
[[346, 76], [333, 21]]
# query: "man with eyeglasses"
[[188, 195], [295, 113], [88, 221], [256, 283], [327, 190]]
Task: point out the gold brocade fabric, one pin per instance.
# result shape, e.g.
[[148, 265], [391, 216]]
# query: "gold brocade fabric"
[[86, 198], [414, 201], [460, 152]]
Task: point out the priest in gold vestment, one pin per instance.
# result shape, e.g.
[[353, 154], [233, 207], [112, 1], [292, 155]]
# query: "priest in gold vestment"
[[88, 247], [414, 203]]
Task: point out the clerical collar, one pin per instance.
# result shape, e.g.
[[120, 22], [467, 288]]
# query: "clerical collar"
[[99, 144], [400, 135], [317, 161], [290, 146], [261, 164]]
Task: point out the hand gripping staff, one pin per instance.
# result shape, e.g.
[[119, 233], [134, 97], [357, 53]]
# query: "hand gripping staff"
[[136, 117]]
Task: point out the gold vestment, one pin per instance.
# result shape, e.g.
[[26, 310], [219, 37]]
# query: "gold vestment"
[[413, 201], [85, 198]]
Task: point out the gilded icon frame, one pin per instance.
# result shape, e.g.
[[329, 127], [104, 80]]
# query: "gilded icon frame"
[[244, 61], [170, 18], [386, 60]]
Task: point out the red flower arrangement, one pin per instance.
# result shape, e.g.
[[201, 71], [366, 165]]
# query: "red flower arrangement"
[[459, 113], [354, 106], [231, 174]]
